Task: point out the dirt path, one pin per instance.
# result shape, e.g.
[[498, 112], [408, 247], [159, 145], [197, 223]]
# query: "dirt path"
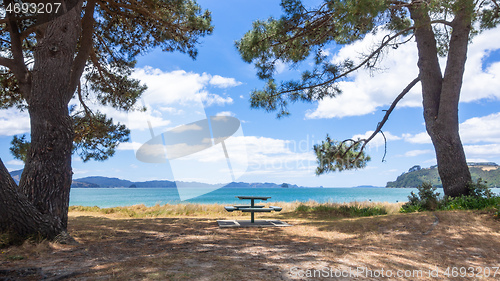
[[414, 245]]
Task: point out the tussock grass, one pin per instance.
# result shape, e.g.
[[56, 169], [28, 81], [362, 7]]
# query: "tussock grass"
[[346, 210]]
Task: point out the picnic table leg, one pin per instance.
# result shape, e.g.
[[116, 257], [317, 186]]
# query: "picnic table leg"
[[252, 218]]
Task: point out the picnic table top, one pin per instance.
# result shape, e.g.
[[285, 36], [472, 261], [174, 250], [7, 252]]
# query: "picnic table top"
[[254, 197]]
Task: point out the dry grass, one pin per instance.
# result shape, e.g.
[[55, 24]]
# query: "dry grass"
[[185, 243], [209, 210]]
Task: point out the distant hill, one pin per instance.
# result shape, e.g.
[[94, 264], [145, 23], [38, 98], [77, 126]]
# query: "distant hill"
[[16, 175], [368, 186], [103, 182], [487, 171]]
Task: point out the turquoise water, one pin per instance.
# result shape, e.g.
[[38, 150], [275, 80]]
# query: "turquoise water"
[[113, 197]]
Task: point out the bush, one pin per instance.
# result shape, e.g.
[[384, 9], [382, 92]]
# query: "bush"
[[479, 189], [470, 203], [480, 197], [427, 199]]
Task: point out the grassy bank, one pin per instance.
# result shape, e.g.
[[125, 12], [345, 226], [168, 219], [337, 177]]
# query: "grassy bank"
[[332, 210]]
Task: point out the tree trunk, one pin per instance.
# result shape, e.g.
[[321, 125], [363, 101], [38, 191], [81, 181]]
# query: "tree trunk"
[[441, 94], [18, 216], [47, 175]]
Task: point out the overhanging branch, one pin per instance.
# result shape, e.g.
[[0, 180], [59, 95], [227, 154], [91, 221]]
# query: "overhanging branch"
[[384, 44], [384, 120]]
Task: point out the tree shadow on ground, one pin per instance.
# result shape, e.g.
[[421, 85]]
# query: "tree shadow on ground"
[[197, 249]]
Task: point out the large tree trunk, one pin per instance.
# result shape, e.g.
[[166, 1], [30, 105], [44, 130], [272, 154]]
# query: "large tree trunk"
[[47, 175], [441, 94], [18, 216]]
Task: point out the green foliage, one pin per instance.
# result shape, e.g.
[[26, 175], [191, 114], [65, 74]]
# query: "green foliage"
[[427, 199], [479, 189], [338, 156], [121, 30], [301, 32], [470, 202], [341, 210], [96, 137], [480, 198], [19, 147], [489, 14]]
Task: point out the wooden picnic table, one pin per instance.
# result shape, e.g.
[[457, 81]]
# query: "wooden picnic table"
[[252, 208]]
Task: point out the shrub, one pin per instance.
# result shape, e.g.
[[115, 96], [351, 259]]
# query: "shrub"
[[479, 189], [480, 197], [427, 199]]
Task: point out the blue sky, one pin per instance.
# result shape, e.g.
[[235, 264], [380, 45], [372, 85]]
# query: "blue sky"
[[266, 149]]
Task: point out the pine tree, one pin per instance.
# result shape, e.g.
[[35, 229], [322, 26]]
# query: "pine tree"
[[44, 58], [439, 27]]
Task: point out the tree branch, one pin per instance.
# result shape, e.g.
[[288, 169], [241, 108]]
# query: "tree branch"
[[80, 98], [86, 43], [344, 74], [445, 22], [9, 63], [17, 65], [386, 117]]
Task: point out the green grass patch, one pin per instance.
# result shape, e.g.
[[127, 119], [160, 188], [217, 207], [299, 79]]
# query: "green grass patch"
[[480, 198], [345, 211]]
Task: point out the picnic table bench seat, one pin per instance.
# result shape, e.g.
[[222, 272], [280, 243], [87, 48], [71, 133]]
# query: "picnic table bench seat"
[[248, 206], [252, 208], [257, 209]]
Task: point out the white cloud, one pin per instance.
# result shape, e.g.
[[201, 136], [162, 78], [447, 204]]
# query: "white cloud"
[[366, 92], [167, 88], [280, 67], [481, 129], [14, 122], [417, 152], [77, 171], [378, 140], [480, 136], [473, 130], [129, 146], [223, 82], [420, 138], [352, 102], [261, 153], [213, 99], [482, 82], [225, 113], [135, 120], [485, 150], [15, 162], [185, 128]]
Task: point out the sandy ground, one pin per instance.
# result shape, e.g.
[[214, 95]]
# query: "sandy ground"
[[419, 246]]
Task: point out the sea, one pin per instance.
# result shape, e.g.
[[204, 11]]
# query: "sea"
[[114, 197]]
